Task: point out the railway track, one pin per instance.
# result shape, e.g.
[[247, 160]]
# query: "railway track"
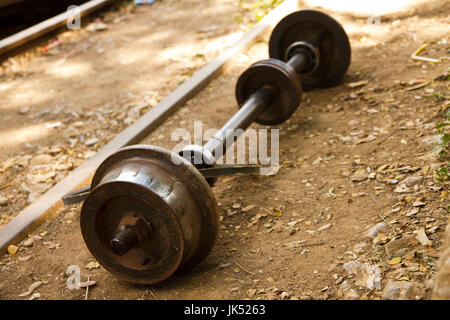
[[49, 203], [23, 21]]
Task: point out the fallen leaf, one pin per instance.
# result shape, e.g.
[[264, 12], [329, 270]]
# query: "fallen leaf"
[[396, 260], [24, 258], [250, 292], [382, 237], [413, 212], [36, 238], [51, 245], [28, 243], [422, 237], [248, 208], [317, 161], [327, 226], [86, 284], [402, 188], [93, 265], [31, 288], [277, 213], [418, 204], [357, 84], [12, 249], [35, 296], [369, 138]]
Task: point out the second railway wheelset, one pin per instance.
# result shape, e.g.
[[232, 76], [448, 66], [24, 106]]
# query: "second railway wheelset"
[[150, 212]]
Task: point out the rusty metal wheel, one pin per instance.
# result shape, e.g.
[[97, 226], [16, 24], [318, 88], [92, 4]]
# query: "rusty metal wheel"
[[149, 214], [322, 32], [282, 78]]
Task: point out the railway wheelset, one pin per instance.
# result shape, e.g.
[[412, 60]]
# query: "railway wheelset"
[[150, 212]]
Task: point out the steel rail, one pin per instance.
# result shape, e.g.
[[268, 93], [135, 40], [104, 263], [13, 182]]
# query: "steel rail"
[[49, 203]]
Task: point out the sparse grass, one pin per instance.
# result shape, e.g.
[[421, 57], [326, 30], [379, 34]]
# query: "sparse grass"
[[443, 174], [257, 8], [445, 137], [438, 96]]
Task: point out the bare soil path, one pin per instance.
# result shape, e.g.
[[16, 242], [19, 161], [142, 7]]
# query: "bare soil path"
[[353, 157]]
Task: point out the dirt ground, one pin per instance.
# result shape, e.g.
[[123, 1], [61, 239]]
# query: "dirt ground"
[[360, 155]]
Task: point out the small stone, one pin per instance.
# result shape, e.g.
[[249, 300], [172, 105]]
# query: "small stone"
[[399, 247], [391, 181], [3, 201], [96, 26], [35, 190], [351, 294], [351, 267], [402, 188], [413, 180], [360, 175], [284, 295], [371, 276], [91, 142], [128, 121], [78, 124], [317, 161], [402, 290], [28, 243], [56, 124], [372, 232], [24, 110], [418, 204], [41, 159], [422, 237], [343, 287], [358, 248]]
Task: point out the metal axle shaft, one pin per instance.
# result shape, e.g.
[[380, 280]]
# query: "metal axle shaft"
[[251, 109]]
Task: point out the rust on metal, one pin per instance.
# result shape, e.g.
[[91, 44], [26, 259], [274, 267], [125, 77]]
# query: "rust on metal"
[[147, 217]]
